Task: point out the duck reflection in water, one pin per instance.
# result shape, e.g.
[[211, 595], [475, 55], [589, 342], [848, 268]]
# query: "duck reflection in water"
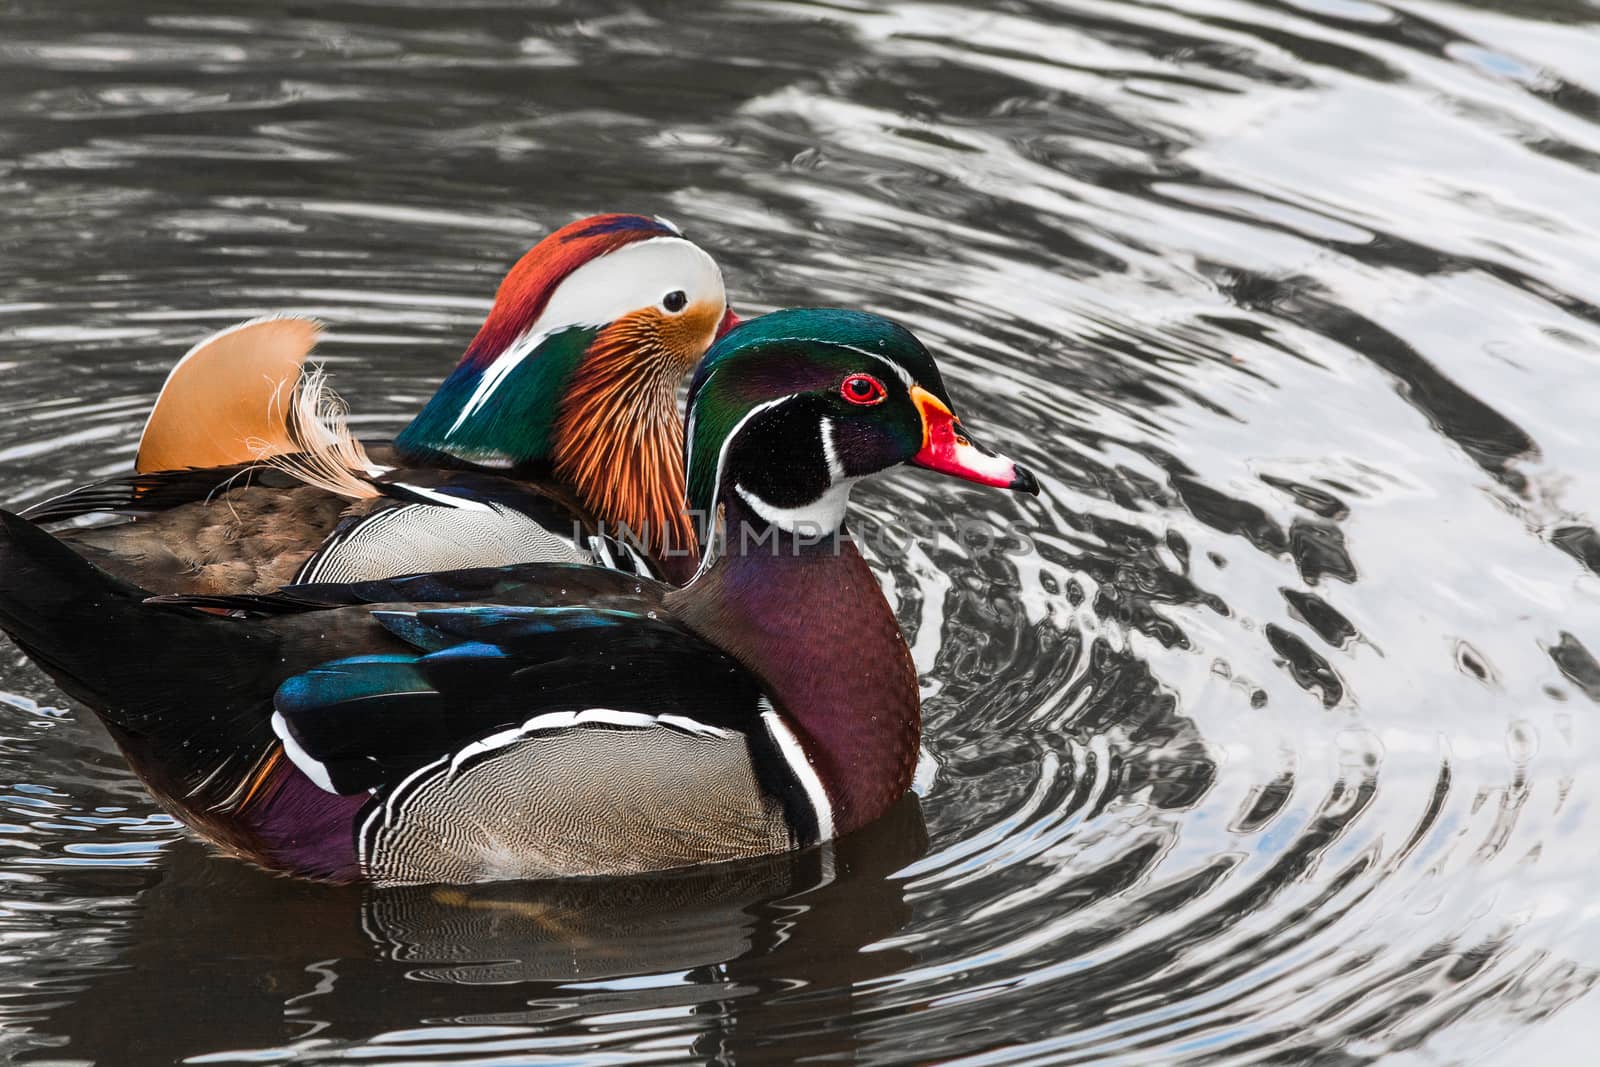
[[292, 965]]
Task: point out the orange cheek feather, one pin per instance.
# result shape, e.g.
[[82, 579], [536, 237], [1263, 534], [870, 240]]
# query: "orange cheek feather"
[[689, 333], [619, 438]]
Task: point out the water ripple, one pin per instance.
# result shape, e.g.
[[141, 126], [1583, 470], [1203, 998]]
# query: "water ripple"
[[1261, 737]]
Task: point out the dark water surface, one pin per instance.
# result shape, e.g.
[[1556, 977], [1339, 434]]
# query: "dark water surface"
[[1281, 746]]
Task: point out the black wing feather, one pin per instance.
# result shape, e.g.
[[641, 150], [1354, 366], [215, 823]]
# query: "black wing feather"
[[144, 494], [369, 721]]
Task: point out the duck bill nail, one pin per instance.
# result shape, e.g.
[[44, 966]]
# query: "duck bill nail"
[[949, 449], [729, 321]]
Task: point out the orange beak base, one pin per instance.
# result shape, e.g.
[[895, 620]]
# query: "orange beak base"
[[949, 449]]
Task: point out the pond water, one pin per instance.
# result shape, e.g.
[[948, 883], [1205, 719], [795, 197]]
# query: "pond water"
[[1278, 743]]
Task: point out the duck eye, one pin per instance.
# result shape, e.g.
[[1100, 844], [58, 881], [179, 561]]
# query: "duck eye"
[[676, 300], [863, 389]]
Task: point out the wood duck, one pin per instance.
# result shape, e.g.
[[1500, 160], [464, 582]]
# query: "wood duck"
[[550, 720], [559, 426]]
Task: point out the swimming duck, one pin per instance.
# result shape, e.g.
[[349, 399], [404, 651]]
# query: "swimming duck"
[[551, 720], [558, 427]]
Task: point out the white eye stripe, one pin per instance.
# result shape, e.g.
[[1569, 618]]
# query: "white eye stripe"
[[602, 291], [899, 372]]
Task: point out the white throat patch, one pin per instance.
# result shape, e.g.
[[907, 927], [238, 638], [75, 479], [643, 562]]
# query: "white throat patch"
[[823, 515]]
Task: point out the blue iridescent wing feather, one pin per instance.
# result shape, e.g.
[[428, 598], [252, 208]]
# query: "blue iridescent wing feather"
[[367, 721]]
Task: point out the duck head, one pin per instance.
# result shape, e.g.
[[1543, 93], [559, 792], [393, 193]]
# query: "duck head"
[[575, 372], [788, 411]]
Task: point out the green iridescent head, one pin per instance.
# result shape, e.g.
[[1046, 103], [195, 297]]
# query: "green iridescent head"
[[789, 410]]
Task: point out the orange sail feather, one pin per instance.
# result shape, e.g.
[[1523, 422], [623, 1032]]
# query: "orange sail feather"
[[228, 400]]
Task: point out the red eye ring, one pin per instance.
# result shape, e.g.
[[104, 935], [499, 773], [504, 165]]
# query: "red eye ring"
[[863, 389]]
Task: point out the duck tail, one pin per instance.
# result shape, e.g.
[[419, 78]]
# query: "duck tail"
[[226, 400], [325, 454], [59, 608], [99, 639], [199, 736]]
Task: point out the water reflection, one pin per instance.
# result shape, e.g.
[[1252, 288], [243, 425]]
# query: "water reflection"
[[288, 966], [1276, 747]]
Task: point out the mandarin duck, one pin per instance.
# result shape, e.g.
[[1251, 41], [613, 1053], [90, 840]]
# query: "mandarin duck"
[[550, 720], [556, 438]]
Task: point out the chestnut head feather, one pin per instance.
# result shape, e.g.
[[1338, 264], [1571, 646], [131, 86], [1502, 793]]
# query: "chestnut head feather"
[[575, 370]]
